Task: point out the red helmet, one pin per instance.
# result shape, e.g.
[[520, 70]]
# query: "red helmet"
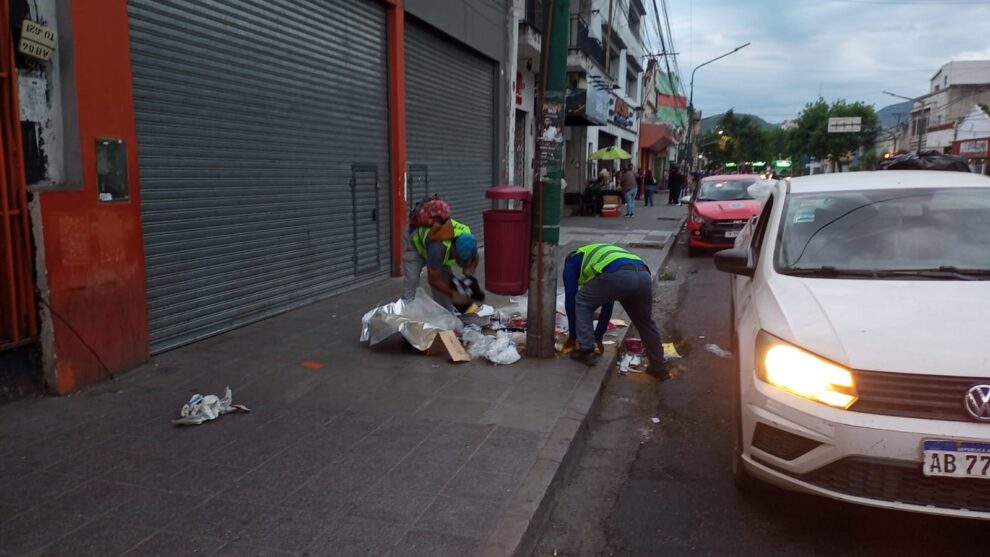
[[429, 211]]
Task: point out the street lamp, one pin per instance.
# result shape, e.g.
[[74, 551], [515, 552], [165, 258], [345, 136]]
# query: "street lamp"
[[691, 96], [913, 100]]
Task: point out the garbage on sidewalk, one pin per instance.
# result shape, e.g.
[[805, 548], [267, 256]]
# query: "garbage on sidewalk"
[[499, 349], [201, 408], [418, 321], [718, 351]]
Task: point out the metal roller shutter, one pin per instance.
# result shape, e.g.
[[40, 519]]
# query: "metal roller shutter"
[[450, 121], [263, 153]]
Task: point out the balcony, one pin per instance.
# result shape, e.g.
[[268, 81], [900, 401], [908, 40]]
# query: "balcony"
[[578, 40], [534, 15]]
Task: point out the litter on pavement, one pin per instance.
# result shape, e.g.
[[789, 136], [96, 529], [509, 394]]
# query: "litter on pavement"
[[201, 408], [499, 349], [718, 351], [670, 351], [655, 420], [418, 321]]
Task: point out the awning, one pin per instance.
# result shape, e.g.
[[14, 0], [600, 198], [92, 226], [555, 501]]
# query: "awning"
[[654, 137]]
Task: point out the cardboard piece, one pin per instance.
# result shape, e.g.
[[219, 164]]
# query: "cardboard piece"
[[446, 341]]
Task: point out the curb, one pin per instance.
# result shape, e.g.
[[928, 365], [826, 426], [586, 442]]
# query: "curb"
[[525, 518]]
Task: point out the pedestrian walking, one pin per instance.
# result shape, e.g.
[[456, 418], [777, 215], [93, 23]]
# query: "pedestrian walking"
[[649, 188], [596, 276], [675, 181], [437, 242], [629, 186], [640, 183]]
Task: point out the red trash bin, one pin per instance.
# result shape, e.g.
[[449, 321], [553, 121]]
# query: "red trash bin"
[[507, 226]]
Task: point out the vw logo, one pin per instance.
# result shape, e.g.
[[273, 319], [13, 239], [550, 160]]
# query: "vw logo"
[[977, 402]]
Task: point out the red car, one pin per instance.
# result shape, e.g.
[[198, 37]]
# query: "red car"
[[718, 210]]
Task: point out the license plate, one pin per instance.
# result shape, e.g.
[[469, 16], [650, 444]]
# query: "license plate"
[[731, 233], [956, 459]]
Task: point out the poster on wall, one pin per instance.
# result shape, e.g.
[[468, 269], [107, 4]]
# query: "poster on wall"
[[550, 136]]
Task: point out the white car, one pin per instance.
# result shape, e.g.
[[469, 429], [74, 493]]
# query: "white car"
[[861, 332]]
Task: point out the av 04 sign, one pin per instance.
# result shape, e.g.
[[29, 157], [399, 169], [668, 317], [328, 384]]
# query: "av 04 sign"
[[850, 124]]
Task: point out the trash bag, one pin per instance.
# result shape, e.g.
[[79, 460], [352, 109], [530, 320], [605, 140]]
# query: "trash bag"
[[503, 351], [925, 160], [418, 321]]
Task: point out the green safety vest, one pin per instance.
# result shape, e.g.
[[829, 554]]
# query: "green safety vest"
[[422, 233], [597, 257]]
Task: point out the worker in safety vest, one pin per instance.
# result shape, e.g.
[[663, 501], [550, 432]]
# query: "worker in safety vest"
[[596, 276], [437, 242]]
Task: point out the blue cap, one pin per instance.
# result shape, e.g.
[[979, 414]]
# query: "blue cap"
[[466, 247]]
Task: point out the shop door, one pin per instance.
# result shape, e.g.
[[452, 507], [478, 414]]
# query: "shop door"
[[450, 119], [262, 137]]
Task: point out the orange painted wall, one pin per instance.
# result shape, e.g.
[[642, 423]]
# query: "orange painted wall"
[[94, 251]]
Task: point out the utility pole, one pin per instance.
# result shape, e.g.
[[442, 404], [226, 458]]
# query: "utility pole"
[[542, 307]]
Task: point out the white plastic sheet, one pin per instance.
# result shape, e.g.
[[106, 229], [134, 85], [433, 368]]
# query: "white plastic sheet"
[[418, 321], [498, 349]]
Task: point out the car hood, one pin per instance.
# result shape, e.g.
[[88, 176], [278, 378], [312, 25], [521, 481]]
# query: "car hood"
[[906, 326], [735, 209]]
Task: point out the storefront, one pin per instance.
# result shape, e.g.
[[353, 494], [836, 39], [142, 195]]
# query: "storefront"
[[976, 151], [450, 120], [263, 150]]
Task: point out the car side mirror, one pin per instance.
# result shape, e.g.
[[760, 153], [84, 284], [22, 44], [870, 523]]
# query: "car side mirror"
[[735, 261]]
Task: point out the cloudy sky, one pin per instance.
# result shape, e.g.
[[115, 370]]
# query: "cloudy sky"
[[840, 49]]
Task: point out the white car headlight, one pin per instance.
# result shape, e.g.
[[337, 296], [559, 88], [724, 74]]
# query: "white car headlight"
[[802, 373], [698, 219]]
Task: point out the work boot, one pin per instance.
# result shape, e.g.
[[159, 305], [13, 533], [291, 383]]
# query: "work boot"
[[660, 372], [586, 357]]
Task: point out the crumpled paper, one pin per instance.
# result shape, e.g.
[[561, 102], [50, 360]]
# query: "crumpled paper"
[[418, 321], [201, 408]]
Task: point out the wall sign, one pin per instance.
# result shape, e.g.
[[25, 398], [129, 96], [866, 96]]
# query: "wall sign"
[[37, 41]]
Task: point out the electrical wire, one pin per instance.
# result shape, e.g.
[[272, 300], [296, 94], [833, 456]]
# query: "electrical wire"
[[78, 336]]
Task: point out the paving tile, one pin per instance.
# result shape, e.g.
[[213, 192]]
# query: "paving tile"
[[144, 470], [36, 528], [423, 471], [33, 489], [392, 402], [241, 550], [419, 543], [333, 491], [461, 516], [8, 512], [98, 539], [22, 460], [508, 460], [284, 529], [395, 504], [538, 396], [523, 417], [476, 389], [168, 544], [95, 498], [204, 479], [281, 385], [90, 463], [454, 409], [217, 519], [269, 484], [357, 537], [482, 485], [154, 508]]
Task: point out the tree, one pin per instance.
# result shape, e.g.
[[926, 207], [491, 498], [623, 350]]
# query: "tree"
[[811, 136], [735, 139]]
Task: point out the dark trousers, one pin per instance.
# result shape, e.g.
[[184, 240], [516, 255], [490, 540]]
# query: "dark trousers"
[[675, 194], [650, 190], [634, 290]]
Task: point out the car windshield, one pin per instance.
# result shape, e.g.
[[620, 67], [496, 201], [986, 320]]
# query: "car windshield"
[[725, 190], [890, 232]]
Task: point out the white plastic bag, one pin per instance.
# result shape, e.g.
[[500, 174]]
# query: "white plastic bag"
[[201, 408], [503, 351]]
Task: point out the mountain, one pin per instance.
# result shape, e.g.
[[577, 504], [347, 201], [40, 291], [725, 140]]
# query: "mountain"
[[888, 115], [711, 122]]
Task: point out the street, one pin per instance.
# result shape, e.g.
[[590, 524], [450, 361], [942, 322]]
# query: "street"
[[665, 489]]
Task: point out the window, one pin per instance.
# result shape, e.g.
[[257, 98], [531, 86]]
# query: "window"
[[760, 233]]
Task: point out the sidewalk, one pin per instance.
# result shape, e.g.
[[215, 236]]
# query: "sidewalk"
[[347, 451]]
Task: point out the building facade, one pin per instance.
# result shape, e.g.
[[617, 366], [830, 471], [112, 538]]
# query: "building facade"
[[195, 167], [953, 90]]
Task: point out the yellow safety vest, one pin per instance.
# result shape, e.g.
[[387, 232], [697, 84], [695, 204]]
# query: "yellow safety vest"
[[597, 257], [422, 233]]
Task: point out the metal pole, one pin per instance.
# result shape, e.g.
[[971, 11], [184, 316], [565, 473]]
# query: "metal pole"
[[542, 306], [690, 149]]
